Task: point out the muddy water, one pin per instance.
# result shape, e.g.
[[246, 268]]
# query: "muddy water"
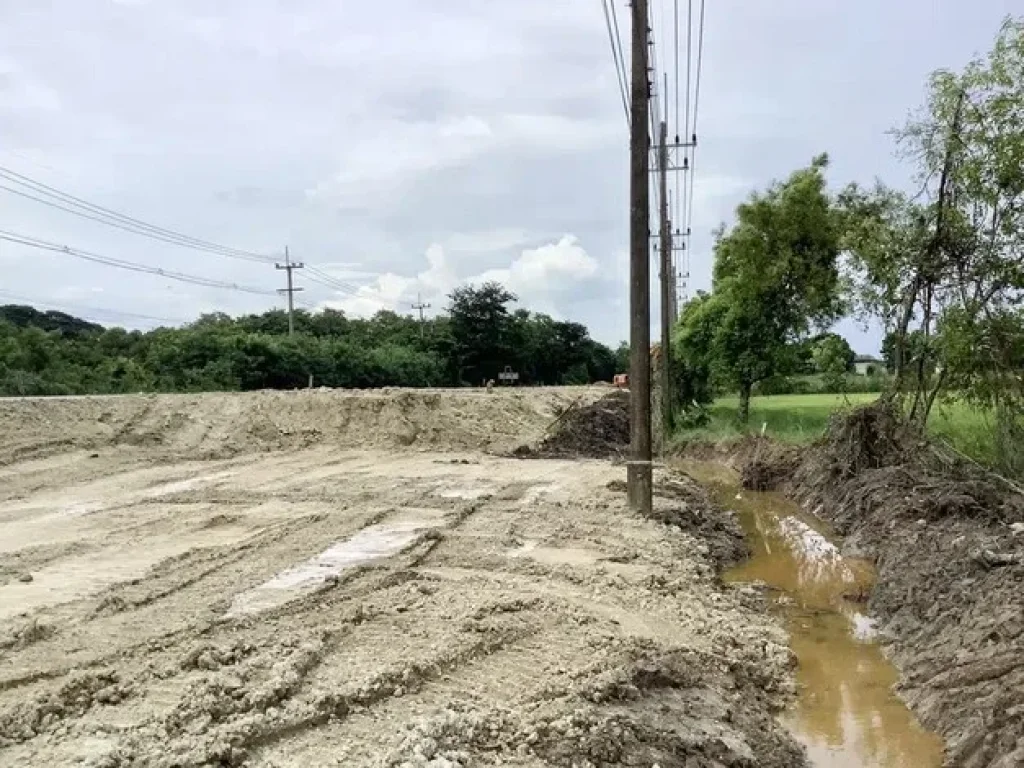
[[846, 713]]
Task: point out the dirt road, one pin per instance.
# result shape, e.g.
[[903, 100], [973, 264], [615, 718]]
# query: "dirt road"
[[307, 579]]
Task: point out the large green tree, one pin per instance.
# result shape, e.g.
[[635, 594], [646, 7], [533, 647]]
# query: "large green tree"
[[481, 330], [775, 279]]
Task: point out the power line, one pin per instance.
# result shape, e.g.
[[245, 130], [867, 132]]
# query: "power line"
[[66, 307], [696, 105], [318, 275], [78, 253], [83, 208], [611, 19]]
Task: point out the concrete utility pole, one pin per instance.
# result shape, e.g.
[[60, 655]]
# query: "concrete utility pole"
[[288, 266], [667, 286], [638, 468], [421, 306]]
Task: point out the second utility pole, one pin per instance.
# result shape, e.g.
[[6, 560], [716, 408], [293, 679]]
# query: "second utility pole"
[[290, 290], [638, 468], [421, 306], [668, 282]]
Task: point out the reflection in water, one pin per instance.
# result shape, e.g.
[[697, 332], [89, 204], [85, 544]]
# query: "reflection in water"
[[846, 714]]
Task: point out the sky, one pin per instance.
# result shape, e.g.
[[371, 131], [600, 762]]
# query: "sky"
[[411, 147]]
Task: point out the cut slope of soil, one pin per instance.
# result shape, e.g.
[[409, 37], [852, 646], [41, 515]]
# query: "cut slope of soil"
[[950, 589]]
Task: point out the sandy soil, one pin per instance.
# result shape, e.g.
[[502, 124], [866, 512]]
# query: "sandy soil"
[[177, 590]]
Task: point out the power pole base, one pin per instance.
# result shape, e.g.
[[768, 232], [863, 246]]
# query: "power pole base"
[[640, 485]]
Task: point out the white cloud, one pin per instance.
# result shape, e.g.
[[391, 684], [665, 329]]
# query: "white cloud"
[[538, 276], [544, 270]]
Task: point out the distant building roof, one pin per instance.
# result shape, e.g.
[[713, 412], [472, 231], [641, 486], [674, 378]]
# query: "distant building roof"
[[866, 359]]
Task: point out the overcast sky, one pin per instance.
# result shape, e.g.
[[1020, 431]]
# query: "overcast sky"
[[410, 146]]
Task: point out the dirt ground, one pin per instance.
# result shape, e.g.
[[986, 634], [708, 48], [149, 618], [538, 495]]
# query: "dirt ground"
[[360, 579]]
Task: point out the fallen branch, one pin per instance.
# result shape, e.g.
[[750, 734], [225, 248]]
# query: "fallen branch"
[[1006, 481], [991, 559]]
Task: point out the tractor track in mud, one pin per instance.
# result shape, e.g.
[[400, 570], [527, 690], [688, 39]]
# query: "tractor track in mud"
[[365, 596]]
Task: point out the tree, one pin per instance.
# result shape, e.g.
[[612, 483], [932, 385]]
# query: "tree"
[[832, 358], [694, 348], [775, 279], [41, 353], [622, 357], [943, 272], [481, 330]]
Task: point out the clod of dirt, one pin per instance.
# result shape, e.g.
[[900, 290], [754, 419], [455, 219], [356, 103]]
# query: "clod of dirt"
[[80, 692], [599, 430], [25, 578]]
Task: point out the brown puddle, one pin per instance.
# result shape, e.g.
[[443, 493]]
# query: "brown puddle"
[[846, 713]]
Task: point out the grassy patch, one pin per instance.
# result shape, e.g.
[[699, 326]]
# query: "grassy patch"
[[802, 418], [790, 418]]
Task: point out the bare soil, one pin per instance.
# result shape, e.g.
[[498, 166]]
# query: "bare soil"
[[950, 588], [358, 579]]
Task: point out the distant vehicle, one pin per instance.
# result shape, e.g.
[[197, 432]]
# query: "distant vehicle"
[[508, 376]]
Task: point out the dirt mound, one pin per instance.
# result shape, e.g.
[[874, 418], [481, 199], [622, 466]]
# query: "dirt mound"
[[950, 589], [218, 425], [596, 430]]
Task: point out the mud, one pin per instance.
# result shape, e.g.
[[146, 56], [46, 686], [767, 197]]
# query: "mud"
[[846, 713], [360, 600], [950, 591]]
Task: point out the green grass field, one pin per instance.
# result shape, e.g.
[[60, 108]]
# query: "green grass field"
[[803, 418]]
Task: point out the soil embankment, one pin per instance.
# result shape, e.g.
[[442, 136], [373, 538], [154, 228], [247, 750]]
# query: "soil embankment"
[[949, 595], [223, 424], [177, 591]]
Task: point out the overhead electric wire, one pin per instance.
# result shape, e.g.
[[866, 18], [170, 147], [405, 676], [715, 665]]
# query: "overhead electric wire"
[[675, 26], [33, 242], [318, 275], [79, 207], [78, 308], [696, 106], [616, 42]]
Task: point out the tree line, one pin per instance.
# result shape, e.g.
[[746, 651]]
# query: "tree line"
[[53, 353], [940, 270]]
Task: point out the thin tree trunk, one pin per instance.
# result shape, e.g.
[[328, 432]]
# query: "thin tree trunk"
[[745, 389]]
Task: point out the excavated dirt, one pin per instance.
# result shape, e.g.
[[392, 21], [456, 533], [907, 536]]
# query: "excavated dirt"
[[220, 425], [362, 599], [596, 430], [949, 553]]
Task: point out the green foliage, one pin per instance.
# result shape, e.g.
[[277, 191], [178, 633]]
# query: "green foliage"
[[943, 272], [832, 359], [775, 280], [622, 358], [55, 354], [694, 349], [817, 384]]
